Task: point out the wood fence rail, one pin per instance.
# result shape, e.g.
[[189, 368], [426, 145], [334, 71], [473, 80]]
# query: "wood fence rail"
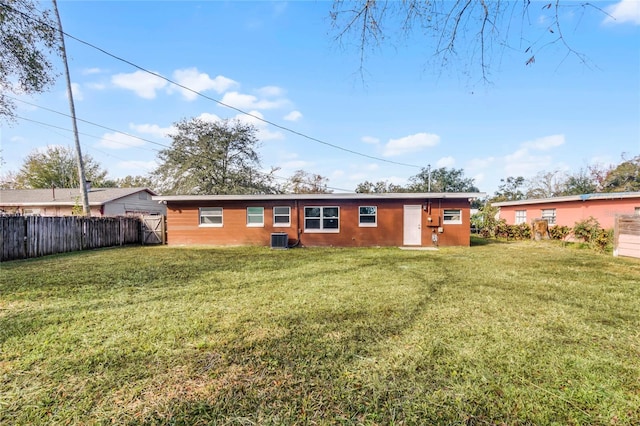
[[34, 236]]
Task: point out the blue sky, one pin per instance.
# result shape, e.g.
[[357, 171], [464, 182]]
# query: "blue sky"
[[279, 61]]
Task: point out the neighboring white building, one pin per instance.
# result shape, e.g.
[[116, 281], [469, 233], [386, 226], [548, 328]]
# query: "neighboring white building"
[[61, 202]]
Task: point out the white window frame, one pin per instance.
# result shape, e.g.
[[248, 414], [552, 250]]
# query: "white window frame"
[[288, 216], [321, 218], [521, 217], [637, 211], [373, 224], [550, 215], [254, 215], [211, 212], [449, 213]]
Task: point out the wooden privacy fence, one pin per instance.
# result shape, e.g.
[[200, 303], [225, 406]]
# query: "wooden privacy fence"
[[626, 238], [33, 236]]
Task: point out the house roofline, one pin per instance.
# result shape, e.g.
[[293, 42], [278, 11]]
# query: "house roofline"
[[582, 197], [340, 196]]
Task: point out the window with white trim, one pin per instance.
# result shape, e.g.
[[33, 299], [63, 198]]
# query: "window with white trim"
[[452, 216], [521, 216], [322, 219], [368, 216], [255, 216], [549, 215], [211, 216], [637, 211], [282, 216]]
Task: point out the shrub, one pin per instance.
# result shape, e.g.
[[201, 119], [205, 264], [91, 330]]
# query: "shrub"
[[590, 232], [586, 229], [558, 232]]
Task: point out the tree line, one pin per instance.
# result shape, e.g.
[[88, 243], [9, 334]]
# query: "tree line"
[[222, 157]]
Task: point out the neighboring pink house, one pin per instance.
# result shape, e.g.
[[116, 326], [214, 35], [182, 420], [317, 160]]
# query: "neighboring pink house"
[[566, 211]]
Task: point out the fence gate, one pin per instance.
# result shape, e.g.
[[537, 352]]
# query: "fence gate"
[[153, 229], [627, 236]]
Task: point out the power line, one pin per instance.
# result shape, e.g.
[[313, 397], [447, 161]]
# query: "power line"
[[88, 122], [241, 111], [81, 133]]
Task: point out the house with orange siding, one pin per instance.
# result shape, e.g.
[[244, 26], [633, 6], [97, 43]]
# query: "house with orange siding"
[[340, 220], [566, 211]]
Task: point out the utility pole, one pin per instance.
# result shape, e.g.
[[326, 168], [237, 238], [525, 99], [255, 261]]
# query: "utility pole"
[[429, 178], [81, 175]]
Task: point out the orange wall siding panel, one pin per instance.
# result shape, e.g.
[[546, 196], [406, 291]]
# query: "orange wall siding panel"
[[570, 212], [183, 224]]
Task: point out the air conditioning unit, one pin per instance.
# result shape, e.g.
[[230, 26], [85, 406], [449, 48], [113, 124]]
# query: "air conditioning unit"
[[279, 241]]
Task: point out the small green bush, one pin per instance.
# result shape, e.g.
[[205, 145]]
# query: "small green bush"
[[587, 229], [558, 232], [590, 232]]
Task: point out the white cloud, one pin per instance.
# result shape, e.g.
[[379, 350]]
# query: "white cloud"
[[244, 101], [371, 167], [91, 71], [480, 163], [544, 143], [137, 165], [208, 117], [446, 162], [77, 92], [96, 86], [411, 143], [153, 129], [200, 82], [271, 91], [622, 12], [526, 161], [370, 140], [143, 84], [119, 141], [295, 165], [293, 116]]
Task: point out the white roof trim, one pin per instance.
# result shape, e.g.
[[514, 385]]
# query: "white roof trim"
[[340, 196], [583, 197]]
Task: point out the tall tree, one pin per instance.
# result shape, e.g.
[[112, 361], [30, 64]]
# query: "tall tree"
[[28, 37], [380, 187], [307, 183], [475, 31], [624, 177], [546, 184], [441, 180], [133, 182], [511, 189], [580, 182], [212, 158], [56, 166]]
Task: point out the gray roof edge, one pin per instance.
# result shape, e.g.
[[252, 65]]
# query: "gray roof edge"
[[582, 197], [64, 200], [332, 196]]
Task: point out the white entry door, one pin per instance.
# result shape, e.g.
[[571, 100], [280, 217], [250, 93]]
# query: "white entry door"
[[412, 225]]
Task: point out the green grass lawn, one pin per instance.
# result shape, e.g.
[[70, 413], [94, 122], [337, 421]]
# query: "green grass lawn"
[[500, 333]]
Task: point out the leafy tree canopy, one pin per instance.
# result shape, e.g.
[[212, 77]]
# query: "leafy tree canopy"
[[307, 183], [510, 189], [624, 177], [25, 47], [133, 182], [379, 187], [441, 180], [57, 166], [212, 158]]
